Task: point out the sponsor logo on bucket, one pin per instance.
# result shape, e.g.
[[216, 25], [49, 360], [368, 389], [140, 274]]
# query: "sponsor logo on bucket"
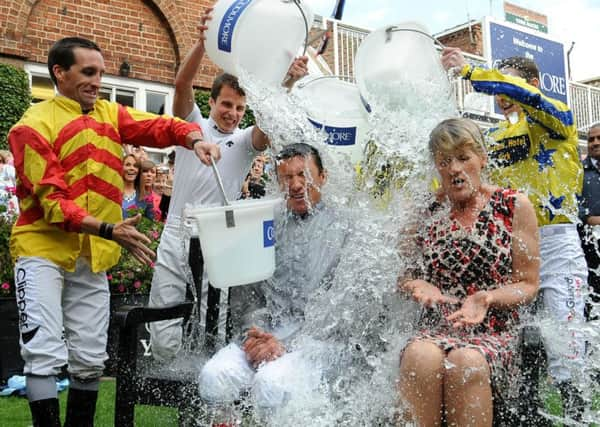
[[337, 135], [268, 233], [228, 23]]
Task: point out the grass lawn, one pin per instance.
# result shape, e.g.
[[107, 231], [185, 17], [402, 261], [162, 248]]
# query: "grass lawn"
[[14, 411]]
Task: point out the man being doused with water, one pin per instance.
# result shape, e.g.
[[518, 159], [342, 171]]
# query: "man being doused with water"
[[309, 240], [479, 263], [535, 151]]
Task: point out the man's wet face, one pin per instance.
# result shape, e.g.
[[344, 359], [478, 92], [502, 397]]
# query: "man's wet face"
[[300, 179]]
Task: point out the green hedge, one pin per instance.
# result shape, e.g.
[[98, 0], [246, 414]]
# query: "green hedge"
[[202, 97], [15, 98]]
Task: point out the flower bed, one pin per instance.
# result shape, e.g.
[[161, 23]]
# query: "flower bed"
[[129, 276]]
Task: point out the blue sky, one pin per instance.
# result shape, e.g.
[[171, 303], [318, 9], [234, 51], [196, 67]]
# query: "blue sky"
[[572, 20]]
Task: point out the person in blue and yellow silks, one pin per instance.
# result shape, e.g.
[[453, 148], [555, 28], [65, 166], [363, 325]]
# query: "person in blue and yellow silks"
[[535, 151]]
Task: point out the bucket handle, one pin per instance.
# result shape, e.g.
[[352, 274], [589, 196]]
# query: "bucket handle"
[[306, 29], [393, 28], [334, 76], [303, 84], [229, 219]]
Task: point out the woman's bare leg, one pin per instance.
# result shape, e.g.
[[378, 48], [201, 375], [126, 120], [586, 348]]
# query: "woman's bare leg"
[[420, 384], [467, 389]]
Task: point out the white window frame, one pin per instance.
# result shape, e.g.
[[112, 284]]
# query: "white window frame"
[[139, 87]]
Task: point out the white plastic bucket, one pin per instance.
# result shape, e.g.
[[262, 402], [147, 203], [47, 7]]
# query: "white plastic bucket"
[[335, 106], [394, 54], [241, 254], [260, 36]]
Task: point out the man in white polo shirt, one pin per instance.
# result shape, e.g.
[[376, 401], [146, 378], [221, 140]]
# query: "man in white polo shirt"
[[193, 184]]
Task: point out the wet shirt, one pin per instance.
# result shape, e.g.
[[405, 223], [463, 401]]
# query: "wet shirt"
[[307, 252], [537, 155]]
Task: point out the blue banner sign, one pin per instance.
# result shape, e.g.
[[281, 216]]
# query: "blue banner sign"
[[549, 55]]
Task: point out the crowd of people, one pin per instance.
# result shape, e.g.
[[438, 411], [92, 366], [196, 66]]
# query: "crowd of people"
[[487, 247]]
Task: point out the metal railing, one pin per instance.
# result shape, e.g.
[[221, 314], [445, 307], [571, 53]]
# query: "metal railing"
[[584, 99]]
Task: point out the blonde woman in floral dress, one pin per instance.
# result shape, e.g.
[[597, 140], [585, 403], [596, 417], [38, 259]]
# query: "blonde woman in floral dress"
[[479, 263]]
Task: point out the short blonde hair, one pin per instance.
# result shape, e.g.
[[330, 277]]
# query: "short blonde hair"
[[453, 134]]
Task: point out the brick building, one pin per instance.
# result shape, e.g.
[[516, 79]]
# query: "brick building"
[[150, 37]]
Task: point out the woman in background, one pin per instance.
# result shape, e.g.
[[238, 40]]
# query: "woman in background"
[[134, 196]]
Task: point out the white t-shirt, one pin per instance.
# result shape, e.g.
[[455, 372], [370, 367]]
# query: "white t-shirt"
[[195, 183]]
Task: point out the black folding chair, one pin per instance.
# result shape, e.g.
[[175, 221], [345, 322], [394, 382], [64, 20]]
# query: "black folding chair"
[[141, 384]]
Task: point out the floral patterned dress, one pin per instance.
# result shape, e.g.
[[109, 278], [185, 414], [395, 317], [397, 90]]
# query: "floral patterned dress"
[[462, 261]]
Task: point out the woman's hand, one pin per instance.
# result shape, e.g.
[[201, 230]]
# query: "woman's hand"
[[473, 310], [426, 294]]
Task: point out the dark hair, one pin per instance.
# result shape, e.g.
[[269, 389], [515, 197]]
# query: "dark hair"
[[526, 67], [61, 53], [301, 149], [225, 79], [171, 156]]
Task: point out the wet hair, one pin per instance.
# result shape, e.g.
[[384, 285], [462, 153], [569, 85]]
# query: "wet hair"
[[303, 150], [61, 53], [225, 79], [526, 67], [453, 134]]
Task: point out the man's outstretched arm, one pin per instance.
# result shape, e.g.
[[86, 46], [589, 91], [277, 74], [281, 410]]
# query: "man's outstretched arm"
[[183, 101]]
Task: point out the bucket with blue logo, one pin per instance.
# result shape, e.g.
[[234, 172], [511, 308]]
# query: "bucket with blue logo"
[[237, 27], [335, 107], [241, 254]]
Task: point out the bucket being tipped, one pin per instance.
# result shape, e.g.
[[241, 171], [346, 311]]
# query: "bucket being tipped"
[[261, 37], [238, 247], [398, 56], [335, 106]]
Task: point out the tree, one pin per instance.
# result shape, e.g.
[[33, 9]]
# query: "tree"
[[15, 98]]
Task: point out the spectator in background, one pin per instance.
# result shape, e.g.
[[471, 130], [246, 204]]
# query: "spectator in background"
[[167, 188], [147, 180], [133, 192], [138, 152], [7, 185], [8, 157], [160, 184], [254, 184], [589, 213]]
